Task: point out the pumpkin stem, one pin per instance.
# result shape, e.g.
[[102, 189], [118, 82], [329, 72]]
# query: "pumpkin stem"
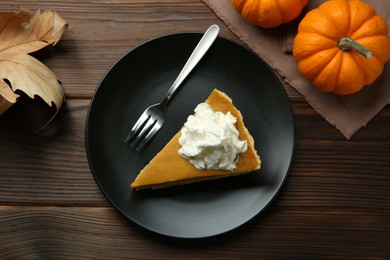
[[346, 44]]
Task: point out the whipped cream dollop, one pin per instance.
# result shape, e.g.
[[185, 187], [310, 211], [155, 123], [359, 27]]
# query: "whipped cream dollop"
[[209, 140]]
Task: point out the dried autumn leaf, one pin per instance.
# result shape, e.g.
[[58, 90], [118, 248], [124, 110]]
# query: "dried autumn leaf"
[[20, 36]]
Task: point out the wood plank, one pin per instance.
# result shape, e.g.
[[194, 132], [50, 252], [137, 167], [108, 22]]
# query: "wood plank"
[[101, 233], [50, 167], [100, 32], [83, 56]]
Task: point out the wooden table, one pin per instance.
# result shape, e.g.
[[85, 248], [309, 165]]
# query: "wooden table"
[[334, 204]]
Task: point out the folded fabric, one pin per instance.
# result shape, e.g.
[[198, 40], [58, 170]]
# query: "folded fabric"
[[347, 113]]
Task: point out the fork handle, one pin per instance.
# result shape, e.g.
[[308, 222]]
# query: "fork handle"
[[204, 44]]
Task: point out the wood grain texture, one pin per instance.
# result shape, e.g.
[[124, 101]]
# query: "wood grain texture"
[[51, 166], [101, 233], [334, 204], [100, 32]]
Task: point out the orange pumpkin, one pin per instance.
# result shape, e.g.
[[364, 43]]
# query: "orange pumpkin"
[[269, 13], [342, 46]]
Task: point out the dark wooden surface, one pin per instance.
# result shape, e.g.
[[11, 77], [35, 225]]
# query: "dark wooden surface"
[[334, 204]]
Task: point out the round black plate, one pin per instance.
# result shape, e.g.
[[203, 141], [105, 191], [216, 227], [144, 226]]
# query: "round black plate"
[[141, 78]]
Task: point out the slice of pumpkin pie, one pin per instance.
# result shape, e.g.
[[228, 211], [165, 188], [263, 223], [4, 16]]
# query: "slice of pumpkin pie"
[[212, 144]]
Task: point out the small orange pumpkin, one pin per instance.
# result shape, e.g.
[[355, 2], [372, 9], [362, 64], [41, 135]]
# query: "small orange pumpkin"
[[342, 46], [269, 13]]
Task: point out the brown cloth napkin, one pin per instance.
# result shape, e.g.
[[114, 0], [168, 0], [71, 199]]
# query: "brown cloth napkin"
[[347, 113]]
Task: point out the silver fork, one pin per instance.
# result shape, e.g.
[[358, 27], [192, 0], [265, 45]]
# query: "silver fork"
[[154, 116]]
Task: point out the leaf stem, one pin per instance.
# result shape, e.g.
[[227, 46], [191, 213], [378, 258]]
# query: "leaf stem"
[[346, 44]]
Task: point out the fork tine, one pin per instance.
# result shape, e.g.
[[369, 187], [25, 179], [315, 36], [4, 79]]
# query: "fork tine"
[[137, 126], [149, 123], [150, 135]]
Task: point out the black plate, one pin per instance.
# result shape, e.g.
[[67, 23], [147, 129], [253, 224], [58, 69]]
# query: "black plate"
[[142, 77]]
